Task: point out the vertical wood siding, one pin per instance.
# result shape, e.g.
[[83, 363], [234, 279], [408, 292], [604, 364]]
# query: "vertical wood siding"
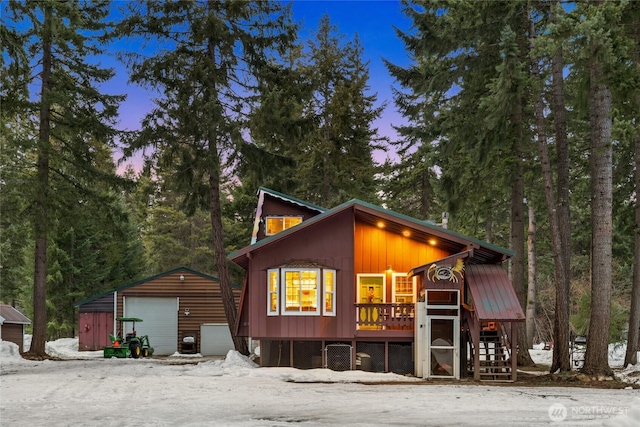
[[276, 207], [94, 329], [329, 244], [335, 243]]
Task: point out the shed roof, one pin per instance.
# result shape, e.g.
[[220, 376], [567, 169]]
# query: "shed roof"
[[493, 296], [290, 199], [11, 315]]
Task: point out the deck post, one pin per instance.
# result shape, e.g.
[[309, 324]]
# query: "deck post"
[[514, 350], [353, 355], [291, 353], [475, 332]]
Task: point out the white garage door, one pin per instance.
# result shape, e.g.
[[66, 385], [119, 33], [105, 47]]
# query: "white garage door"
[[160, 321], [215, 339]]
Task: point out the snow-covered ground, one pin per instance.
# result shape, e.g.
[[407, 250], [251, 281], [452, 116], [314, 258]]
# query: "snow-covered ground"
[[86, 389]]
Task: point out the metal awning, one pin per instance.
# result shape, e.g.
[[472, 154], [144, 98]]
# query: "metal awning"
[[494, 298]]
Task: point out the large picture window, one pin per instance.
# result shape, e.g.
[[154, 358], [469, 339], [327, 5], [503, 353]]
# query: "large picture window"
[[276, 224], [301, 291]]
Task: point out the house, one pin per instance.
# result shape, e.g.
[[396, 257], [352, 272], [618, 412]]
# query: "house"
[[362, 287], [12, 324], [181, 309]]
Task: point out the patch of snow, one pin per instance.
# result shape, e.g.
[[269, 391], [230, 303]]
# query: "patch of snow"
[[233, 391], [9, 352]]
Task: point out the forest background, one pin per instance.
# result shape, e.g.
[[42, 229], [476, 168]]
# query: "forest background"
[[519, 119]]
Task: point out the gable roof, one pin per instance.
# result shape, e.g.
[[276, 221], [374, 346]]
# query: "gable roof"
[[10, 315], [147, 279], [394, 222]]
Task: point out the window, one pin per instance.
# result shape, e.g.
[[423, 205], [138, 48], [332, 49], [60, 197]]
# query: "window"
[[329, 292], [301, 291], [276, 224], [403, 291], [272, 297], [404, 288]]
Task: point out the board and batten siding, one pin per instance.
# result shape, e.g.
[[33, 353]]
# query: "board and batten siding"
[[329, 249], [376, 250]]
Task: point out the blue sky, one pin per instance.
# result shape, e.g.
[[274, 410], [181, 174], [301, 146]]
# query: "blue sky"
[[372, 20]]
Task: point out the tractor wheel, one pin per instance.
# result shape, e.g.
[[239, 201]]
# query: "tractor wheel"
[[145, 352], [135, 350]]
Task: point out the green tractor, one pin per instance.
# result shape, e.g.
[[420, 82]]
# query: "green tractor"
[[131, 345]]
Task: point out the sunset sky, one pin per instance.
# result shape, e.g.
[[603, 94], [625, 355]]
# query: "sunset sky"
[[372, 20]]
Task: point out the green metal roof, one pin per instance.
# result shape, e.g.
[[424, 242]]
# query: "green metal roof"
[[292, 199], [359, 203], [147, 279]]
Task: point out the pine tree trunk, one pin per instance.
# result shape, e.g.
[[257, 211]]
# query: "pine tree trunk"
[[517, 235], [561, 359], [562, 173], [631, 355], [41, 217], [531, 288], [600, 101], [228, 300], [633, 336]]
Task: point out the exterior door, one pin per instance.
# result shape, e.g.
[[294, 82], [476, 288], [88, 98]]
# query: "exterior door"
[[443, 333], [160, 321], [371, 288], [216, 339], [443, 342]]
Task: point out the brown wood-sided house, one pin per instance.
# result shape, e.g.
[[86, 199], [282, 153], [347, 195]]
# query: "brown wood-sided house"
[[12, 324], [362, 287], [173, 305]]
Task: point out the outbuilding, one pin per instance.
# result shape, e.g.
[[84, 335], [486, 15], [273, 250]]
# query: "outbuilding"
[[182, 311], [12, 324]]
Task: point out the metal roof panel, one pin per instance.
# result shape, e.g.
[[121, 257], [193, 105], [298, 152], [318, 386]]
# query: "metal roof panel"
[[493, 295], [11, 315]]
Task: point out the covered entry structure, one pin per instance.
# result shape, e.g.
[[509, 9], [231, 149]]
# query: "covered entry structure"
[[467, 320]]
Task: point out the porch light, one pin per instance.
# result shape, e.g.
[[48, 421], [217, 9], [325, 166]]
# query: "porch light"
[[406, 233], [380, 224], [389, 269], [432, 242]]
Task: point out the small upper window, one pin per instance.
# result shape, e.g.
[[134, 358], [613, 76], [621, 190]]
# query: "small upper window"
[[276, 224]]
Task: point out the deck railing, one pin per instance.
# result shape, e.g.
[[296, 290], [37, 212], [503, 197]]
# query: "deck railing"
[[385, 316]]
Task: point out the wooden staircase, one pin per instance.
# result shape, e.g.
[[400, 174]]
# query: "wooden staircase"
[[490, 358], [494, 361]]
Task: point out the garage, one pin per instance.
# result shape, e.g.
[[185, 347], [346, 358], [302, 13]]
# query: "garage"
[[172, 305], [160, 321], [216, 339]]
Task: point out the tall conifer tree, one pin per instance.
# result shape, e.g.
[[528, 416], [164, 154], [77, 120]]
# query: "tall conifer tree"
[[68, 110], [207, 66]]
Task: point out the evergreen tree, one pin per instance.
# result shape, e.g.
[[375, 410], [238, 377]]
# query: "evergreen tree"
[[69, 111], [466, 98], [207, 65]]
